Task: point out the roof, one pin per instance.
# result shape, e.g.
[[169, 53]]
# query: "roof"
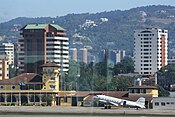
[[148, 97], [25, 77], [57, 27], [116, 94], [143, 87], [50, 64], [35, 26], [42, 26], [109, 93]]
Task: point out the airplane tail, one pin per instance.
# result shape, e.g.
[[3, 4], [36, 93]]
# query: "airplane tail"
[[141, 101]]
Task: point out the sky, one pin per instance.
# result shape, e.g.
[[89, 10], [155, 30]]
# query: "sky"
[[10, 9]]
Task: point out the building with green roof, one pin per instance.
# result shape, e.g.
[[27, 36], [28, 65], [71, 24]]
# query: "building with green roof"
[[41, 43]]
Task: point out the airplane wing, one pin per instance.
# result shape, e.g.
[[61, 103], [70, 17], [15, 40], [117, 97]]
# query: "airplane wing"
[[109, 102], [114, 103], [103, 101]]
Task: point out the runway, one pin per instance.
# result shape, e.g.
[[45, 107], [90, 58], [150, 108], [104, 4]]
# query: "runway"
[[57, 110]]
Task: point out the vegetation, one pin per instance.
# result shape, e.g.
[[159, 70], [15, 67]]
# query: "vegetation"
[[163, 92], [125, 66], [97, 77], [166, 77]]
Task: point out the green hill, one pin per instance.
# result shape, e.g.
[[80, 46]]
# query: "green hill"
[[113, 29]]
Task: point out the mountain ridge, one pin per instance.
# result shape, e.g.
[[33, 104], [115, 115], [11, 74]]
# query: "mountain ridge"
[[112, 29]]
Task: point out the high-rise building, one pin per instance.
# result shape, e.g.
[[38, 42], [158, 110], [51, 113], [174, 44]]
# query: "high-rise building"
[[123, 54], [73, 54], [118, 56], [8, 49], [84, 55], [101, 55], [150, 50], [4, 67], [43, 43]]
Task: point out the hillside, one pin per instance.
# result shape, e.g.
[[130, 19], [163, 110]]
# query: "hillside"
[[112, 29]]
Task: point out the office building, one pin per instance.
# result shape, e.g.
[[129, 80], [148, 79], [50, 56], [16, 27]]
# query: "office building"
[[150, 50], [8, 49], [101, 55], [41, 43]]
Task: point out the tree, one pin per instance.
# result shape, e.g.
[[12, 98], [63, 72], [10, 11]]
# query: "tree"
[[13, 71], [125, 66], [121, 83], [163, 92], [166, 76]]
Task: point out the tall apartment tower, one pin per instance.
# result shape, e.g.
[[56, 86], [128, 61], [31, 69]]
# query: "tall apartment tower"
[[73, 54], [42, 43], [150, 50], [8, 50], [118, 58], [84, 55]]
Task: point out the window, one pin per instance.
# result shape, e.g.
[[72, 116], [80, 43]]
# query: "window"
[[13, 87], [146, 45], [52, 79], [168, 103], [162, 103], [146, 60], [65, 99], [131, 90], [49, 71], [1, 87], [146, 49], [156, 103], [145, 68], [52, 87], [137, 90]]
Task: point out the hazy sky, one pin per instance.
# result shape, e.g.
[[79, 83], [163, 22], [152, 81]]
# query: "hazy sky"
[[10, 9]]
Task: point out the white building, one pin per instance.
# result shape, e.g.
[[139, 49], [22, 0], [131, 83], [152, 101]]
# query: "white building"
[[84, 55], [58, 51], [73, 54], [150, 50], [8, 49], [164, 103]]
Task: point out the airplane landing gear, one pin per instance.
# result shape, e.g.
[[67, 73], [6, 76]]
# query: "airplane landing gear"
[[107, 107]]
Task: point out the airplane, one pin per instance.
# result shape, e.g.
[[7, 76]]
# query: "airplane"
[[140, 103]]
